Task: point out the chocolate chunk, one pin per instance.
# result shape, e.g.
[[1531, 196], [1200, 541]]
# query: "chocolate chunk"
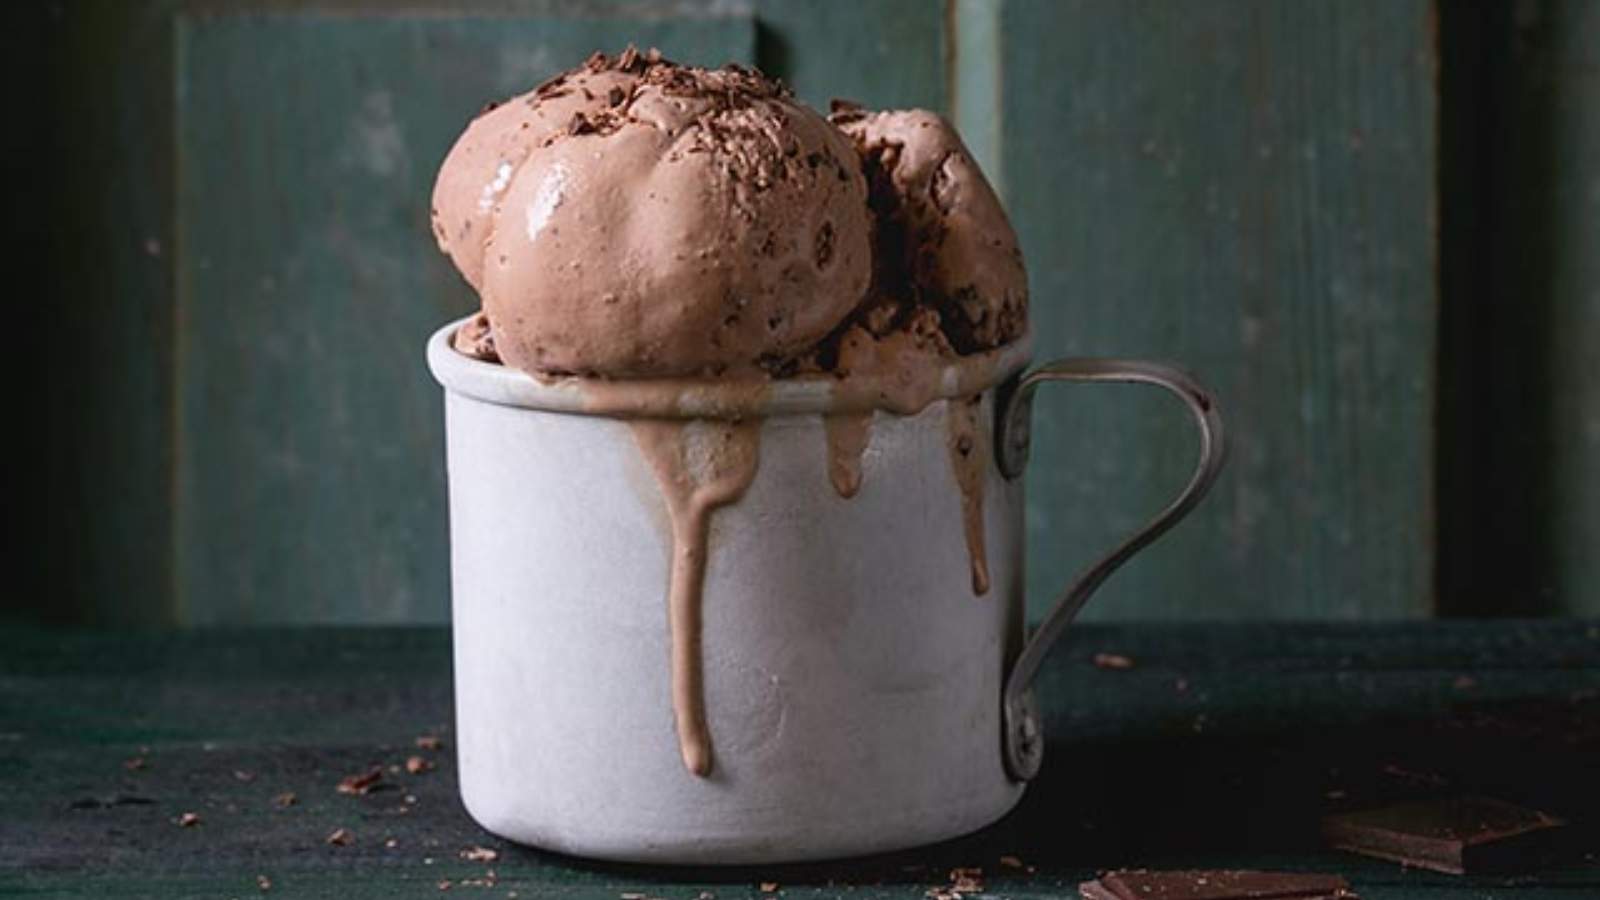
[[1454, 835], [550, 84], [1138, 884], [361, 782], [823, 250], [841, 112]]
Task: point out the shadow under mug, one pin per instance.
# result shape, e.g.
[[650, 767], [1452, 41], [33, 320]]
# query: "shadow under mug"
[[860, 695]]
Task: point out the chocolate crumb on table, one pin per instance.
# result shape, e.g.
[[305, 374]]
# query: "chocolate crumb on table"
[[1140, 884], [433, 741], [416, 765], [340, 837], [362, 782], [1112, 661], [1456, 835], [966, 880]]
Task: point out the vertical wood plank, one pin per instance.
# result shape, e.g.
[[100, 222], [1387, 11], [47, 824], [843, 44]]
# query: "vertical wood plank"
[[1247, 188], [976, 85], [1525, 497], [309, 437], [884, 54], [101, 199]]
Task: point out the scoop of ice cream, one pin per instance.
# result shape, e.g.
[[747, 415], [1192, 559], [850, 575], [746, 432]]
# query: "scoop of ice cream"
[[633, 217], [943, 240]]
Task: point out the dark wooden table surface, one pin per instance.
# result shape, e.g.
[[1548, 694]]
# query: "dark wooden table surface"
[[1219, 748]]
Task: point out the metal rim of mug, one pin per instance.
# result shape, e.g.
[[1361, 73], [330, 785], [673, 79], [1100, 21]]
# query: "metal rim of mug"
[[700, 398]]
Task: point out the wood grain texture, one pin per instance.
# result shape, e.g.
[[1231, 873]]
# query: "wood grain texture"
[[884, 54], [100, 193], [977, 57], [1522, 412], [223, 477], [1247, 189], [1219, 748], [310, 482]]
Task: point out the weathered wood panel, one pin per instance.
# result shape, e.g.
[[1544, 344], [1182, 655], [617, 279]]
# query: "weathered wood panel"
[[309, 432], [884, 53], [99, 193], [1522, 409], [1246, 188], [158, 479]]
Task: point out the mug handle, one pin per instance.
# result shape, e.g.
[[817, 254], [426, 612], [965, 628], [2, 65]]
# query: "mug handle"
[[1023, 735]]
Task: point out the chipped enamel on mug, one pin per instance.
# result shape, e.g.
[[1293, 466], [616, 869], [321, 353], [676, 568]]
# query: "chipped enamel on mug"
[[725, 625]]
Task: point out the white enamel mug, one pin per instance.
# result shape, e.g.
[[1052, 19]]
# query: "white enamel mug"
[[860, 695]]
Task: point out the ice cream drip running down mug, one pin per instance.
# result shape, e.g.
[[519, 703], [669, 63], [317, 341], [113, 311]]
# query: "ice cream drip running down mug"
[[735, 454]]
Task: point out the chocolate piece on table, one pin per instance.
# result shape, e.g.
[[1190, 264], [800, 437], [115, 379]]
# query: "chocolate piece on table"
[[1453, 835], [1139, 884]]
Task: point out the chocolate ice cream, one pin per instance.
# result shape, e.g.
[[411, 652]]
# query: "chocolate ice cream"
[[943, 242], [634, 217]]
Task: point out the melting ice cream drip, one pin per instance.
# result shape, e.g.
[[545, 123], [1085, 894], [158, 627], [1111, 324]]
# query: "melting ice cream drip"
[[700, 466], [969, 457], [848, 436]]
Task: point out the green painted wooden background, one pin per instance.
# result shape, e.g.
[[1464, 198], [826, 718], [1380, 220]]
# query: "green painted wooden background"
[[1520, 498], [1387, 272]]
